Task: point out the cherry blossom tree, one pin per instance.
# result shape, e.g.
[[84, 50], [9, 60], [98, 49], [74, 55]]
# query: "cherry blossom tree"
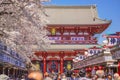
[[23, 26]]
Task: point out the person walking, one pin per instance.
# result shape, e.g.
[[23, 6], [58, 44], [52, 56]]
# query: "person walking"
[[95, 77], [116, 76], [73, 77], [100, 74], [35, 75], [47, 77]]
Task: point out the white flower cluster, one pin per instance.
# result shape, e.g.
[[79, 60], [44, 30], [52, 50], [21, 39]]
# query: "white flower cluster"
[[23, 25]]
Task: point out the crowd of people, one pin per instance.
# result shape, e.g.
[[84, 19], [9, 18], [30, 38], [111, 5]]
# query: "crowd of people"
[[37, 75], [100, 75]]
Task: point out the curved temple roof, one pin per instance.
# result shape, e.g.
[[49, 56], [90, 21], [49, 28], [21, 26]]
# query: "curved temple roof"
[[74, 15]]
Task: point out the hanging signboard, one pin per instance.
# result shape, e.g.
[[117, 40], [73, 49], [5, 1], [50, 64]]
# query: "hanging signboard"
[[113, 41], [77, 38], [94, 51]]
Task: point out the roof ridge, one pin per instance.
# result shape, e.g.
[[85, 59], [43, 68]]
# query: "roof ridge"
[[69, 6]]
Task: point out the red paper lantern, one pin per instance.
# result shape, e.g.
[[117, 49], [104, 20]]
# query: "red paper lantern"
[[50, 67]]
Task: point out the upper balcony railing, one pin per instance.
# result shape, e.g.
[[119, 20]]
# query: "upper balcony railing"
[[76, 39], [75, 42]]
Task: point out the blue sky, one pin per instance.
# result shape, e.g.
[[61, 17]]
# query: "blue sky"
[[107, 9]]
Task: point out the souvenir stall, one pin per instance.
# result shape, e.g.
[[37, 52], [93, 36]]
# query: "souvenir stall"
[[115, 50], [113, 43], [95, 62], [11, 63]]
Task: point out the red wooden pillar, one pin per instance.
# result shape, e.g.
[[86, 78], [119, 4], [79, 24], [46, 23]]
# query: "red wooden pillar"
[[44, 62], [119, 67], [44, 54], [61, 61], [61, 65]]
